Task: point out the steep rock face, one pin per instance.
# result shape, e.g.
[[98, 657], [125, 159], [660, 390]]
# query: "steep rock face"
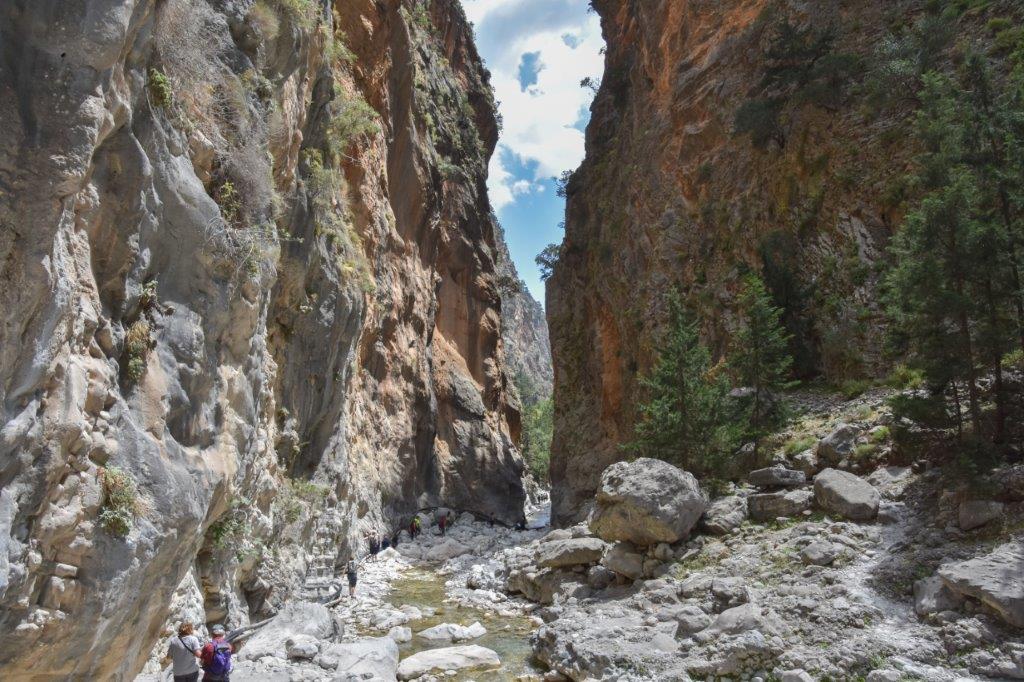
[[248, 300], [669, 196], [524, 328]]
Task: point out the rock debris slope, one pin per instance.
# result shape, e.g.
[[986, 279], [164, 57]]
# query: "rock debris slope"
[[249, 298]]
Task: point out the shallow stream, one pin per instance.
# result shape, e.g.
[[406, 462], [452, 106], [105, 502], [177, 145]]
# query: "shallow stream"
[[508, 636]]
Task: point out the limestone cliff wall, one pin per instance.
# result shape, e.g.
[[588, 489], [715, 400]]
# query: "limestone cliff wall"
[[248, 300], [669, 196], [524, 330]]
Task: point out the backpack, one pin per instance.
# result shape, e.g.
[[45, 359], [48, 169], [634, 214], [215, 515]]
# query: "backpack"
[[219, 662]]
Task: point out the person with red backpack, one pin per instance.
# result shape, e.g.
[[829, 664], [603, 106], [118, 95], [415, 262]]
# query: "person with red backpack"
[[216, 657]]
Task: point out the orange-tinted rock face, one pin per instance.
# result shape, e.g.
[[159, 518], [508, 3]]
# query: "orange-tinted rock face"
[[669, 196], [247, 266]]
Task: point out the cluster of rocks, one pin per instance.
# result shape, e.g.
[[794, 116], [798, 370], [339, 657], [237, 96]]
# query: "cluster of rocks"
[[805, 572]]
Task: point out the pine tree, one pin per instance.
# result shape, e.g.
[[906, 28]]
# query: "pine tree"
[[760, 358], [950, 287], [684, 420]]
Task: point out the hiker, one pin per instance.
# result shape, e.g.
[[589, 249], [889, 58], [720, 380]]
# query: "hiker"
[[385, 543], [521, 524], [374, 544], [442, 523], [394, 539], [351, 571], [216, 657], [183, 649], [414, 527]]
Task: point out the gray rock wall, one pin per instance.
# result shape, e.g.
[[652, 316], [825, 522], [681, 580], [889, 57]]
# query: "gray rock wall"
[[229, 323]]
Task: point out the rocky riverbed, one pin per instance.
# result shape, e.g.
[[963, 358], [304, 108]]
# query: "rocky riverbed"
[[833, 563]]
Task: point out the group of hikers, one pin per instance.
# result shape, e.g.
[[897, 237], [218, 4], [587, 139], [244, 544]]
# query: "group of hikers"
[[377, 544], [188, 655]]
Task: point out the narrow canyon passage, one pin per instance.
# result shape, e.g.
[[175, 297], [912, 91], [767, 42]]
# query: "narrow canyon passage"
[[271, 283]]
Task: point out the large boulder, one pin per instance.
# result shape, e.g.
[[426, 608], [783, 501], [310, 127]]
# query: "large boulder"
[[776, 477], [543, 585], [369, 658], [976, 513], [931, 595], [994, 579], [298, 622], [624, 560], [449, 548], [770, 506], [725, 515], [439, 661], [452, 632], [839, 444], [645, 502], [571, 552], [845, 494]]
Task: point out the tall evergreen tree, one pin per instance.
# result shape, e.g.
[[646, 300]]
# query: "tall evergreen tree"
[[950, 283], [684, 420], [760, 357]]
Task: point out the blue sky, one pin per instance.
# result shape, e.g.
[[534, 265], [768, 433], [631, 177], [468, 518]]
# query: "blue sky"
[[537, 52]]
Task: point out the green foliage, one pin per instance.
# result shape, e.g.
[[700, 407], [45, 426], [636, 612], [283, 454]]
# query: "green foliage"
[[851, 388], [160, 89], [954, 290], [904, 377], [335, 50], [303, 13], [122, 503], [136, 347], [421, 15], [760, 358], [562, 183], [782, 263], [922, 408], [901, 59], [326, 184], [353, 118], [230, 202], [547, 260], [232, 529], [685, 418], [538, 427], [760, 118], [802, 67], [297, 496], [795, 446], [880, 435]]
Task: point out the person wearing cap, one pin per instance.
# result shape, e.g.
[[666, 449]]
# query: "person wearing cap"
[[183, 650], [216, 657]]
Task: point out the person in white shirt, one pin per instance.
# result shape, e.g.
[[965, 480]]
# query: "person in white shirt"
[[184, 649]]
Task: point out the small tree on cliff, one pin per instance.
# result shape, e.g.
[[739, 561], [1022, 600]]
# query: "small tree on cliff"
[[683, 420], [760, 358]]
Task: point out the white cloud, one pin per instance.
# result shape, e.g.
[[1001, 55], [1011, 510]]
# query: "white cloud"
[[499, 184], [538, 123]]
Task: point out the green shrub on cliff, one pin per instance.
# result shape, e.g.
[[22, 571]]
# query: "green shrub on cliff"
[[160, 89], [122, 503], [352, 118], [802, 67]]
